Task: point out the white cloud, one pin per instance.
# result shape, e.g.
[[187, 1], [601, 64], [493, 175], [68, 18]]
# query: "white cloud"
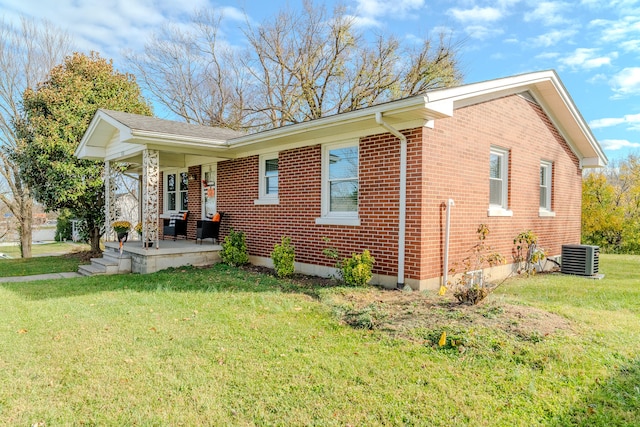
[[548, 55], [626, 82], [109, 26], [618, 144], [631, 45], [553, 37], [477, 14], [370, 10], [583, 58], [631, 119], [547, 12], [616, 30], [482, 32]]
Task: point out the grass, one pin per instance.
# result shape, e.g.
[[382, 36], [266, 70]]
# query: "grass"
[[223, 346], [57, 248], [40, 265]]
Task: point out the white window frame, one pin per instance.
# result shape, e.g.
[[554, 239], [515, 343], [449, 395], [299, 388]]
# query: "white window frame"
[[336, 218], [263, 197], [501, 209], [165, 195], [546, 168]]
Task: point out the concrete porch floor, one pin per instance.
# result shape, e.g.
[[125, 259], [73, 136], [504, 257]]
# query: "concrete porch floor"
[[169, 253]]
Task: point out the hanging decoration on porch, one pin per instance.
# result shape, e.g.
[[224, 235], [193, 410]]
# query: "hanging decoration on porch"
[[150, 195], [110, 205]]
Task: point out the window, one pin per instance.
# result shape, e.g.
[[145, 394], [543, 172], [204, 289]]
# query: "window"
[[546, 173], [268, 187], [176, 185], [340, 184], [498, 182]]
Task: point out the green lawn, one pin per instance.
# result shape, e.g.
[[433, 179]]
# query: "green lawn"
[[56, 248], [41, 264], [222, 346]]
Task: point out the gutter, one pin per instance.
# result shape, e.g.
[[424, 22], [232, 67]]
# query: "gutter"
[[402, 219]]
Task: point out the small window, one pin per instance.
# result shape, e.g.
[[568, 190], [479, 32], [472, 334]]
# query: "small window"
[[546, 174], [340, 184], [177, 186], [499, 182], [268, 186]]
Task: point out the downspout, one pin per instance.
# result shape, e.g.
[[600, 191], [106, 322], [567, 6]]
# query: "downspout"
[[402, 219], [445, 266]]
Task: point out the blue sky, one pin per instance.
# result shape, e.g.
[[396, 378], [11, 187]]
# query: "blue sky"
[[594, 45]]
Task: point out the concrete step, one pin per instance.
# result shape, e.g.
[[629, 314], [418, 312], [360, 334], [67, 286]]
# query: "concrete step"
[[112, 262], [109, 265], [90, 270]]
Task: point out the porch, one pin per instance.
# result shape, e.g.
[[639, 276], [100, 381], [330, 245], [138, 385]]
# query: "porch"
[[136, 259]]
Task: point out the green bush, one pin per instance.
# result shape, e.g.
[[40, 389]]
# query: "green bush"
[[284, 256], [356, 271], [234, 249], [63, 226]]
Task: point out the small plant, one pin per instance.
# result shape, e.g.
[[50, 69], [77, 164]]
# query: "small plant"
[[234, 249], [471, 286], [354, 271], [526, 253], [138, 228], [121, 226], [283, 256]]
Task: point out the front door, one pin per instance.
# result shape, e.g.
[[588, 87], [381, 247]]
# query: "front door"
[[209, 190]]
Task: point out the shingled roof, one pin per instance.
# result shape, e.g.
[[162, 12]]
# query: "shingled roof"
[[169, 127]]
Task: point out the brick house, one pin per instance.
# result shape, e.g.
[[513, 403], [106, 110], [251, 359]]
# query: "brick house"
[[507, 153]]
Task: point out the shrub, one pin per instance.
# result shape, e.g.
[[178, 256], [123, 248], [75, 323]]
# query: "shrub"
[[284, 255], [63, 226], [356, 271], [526, 253], [472, 286], [234, 249]]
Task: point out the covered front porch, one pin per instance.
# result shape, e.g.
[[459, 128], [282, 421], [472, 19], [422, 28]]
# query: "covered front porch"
[[175, 166]]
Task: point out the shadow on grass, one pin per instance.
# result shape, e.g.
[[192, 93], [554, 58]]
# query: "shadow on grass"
[[615, 402], [218, 278]]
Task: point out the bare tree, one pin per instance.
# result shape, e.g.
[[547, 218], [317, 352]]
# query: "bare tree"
[[298, 66], [27, 53], [192, 73]]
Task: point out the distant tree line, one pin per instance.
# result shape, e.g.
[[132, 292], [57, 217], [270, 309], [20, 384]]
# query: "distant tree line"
[[611, 207]]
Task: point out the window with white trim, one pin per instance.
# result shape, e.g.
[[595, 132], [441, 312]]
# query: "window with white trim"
[[268, 186], [546, 176], [499, 182], [176, 186], [340, 184]]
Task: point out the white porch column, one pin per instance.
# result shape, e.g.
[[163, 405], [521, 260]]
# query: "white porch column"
[[109, 201], [150, 198]]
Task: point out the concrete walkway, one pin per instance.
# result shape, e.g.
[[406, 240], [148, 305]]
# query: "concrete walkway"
[[48, 276]]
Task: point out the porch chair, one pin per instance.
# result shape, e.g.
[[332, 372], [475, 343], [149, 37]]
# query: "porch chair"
[[209, 229], [175, 225]]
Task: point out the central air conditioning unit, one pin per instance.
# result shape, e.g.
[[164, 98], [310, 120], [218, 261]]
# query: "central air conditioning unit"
[[581, 260]]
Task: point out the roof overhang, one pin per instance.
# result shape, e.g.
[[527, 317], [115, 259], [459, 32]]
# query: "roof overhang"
[[548, 90], [111, 139]]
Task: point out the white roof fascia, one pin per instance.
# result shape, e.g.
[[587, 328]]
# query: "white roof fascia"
[[474, 93], [392, 108]]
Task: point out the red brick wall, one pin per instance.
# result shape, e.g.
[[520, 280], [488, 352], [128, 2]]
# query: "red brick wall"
[[456, 165], [300, 204], [449, 161]]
